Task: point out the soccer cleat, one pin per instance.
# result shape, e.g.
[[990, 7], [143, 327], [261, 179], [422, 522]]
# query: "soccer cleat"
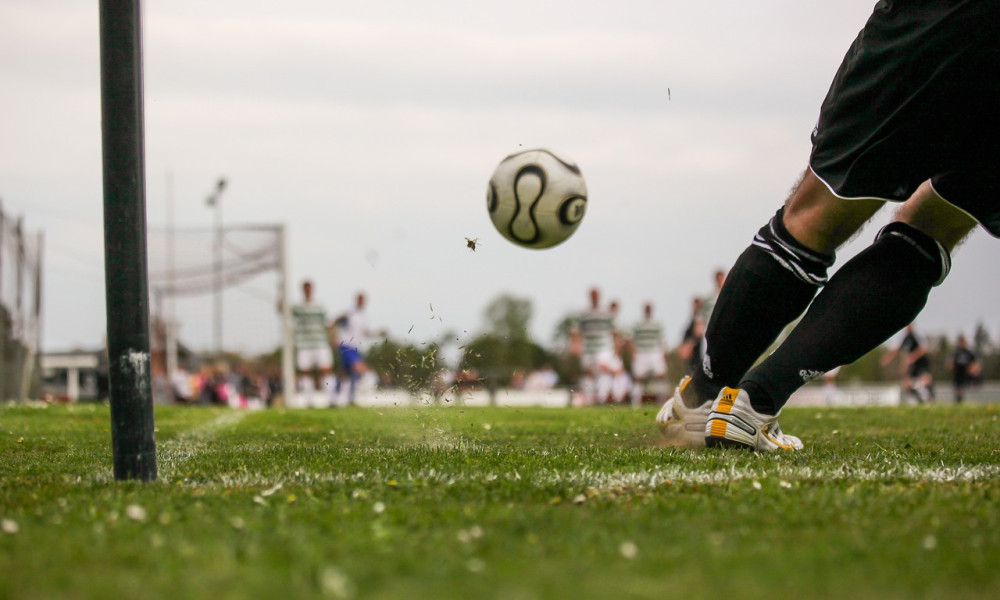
[[680, 425], [733, 422]]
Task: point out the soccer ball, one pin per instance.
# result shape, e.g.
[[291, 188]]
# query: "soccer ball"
[[536, 199]]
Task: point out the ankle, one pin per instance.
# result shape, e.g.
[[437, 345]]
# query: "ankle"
[[699, 391], [760, 400]]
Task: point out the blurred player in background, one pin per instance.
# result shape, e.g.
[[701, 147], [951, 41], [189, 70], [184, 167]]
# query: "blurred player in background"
[[312, 344], [621, 380], [916, 368], [649, 360], [592, 339], [352, 335], [913, 117]]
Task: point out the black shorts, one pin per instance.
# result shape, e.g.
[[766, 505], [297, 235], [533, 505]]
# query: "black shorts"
[[918, 367], [917, 97]]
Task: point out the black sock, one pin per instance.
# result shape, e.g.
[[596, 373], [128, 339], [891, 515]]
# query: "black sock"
[[874, 295], [770, 285], [758, 300]]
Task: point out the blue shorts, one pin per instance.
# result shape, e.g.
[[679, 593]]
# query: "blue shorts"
[[349, 357]]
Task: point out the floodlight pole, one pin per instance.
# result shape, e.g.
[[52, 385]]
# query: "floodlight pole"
[[126, 276], [215, 200], [171, 316]]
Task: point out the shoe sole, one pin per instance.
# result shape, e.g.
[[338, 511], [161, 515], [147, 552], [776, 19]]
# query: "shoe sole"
[[677, 434], [714, 442], [727, 431]]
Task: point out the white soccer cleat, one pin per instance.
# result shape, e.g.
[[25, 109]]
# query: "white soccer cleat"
[[733, 422], [682, 426]]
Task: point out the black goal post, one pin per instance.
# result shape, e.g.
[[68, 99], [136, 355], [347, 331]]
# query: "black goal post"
[[125, 274]]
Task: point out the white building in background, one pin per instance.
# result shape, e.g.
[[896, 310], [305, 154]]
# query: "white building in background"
[[75, 375]]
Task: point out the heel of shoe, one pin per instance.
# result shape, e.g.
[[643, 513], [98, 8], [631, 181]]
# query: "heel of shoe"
[[724, 431]]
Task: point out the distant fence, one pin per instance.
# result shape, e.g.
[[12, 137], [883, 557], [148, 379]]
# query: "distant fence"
[[20, 308]]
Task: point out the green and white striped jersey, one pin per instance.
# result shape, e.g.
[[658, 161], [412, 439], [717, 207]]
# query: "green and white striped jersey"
[[597, 330], [309, 326], [647, 337]]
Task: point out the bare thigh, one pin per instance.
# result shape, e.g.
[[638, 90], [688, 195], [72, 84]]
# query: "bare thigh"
[[823, 222], [931, 214], [820, 220]]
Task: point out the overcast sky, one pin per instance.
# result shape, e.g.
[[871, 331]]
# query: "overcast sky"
[[370, 129]]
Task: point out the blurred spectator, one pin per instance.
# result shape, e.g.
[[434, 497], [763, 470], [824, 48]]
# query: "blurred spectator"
[[544, 378]]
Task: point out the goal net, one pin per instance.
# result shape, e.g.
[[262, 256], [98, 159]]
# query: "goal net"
[[217, 293]]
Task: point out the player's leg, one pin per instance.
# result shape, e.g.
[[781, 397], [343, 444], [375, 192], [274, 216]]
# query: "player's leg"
[[929, 385], [786, 264], [640, 378], [588, 379], [908, 389], [777, 267], [352, 358], [868, 300], [914, 387], [588, 389], [908, 100], [343, 374], [638, 392], [357, 370], [329, 383], [622, 386], [660, 386], [604, 386], [921, 388], [960, 383], [303, 370]]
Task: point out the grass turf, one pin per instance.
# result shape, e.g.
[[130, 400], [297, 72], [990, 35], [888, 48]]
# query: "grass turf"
[[506, 503]]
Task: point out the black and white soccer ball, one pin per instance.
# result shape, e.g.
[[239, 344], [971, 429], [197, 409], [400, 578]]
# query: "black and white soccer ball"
[[537, 198]]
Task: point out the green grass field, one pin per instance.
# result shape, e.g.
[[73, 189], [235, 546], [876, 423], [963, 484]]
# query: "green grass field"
[[499, 503]]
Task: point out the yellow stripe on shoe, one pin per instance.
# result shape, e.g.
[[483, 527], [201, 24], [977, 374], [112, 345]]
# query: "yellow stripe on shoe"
[[718, 428]]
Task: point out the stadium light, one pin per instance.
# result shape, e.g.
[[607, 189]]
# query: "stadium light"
[[215, 200]]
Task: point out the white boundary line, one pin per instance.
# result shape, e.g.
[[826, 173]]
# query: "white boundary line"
[[188, 444], [581, 478]]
